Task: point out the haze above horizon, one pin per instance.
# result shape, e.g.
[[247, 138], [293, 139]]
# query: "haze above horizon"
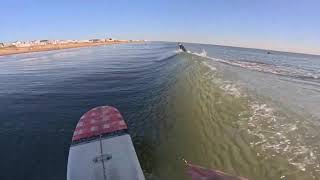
[[284, 25]]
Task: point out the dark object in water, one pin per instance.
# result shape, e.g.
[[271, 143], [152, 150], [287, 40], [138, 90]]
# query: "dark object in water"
[[268, 52], [182, 47]]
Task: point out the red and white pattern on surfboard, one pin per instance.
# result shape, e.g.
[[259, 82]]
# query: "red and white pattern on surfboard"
[[98, 121]]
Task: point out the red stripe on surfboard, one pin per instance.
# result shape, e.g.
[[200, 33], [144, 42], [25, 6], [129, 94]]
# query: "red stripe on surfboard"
[[98, 121]]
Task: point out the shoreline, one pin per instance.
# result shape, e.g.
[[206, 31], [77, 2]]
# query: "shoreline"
[[51, 47]]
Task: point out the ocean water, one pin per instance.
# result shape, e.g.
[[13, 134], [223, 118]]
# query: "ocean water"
[[243, 111]]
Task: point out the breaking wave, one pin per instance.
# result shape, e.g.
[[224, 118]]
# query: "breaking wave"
[[273, 69], [228, 87], [275, 134], [266, 68], [202, 54]]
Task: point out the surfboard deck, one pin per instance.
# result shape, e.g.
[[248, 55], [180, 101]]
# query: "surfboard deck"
[[102, 149]]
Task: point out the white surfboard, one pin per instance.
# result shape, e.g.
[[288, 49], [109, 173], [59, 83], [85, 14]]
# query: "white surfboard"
[[102, 149]]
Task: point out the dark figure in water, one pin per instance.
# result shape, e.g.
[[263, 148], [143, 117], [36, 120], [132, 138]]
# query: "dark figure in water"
[[182, 47]]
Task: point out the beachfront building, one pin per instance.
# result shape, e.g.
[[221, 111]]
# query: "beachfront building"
[[68, 41], [21, 44], [1, 45], [63, 42], [35, 42], [16, 43], [7, 45], [84, 41], [54, 42], [24, 44], [94, 40], [97, 40], [44, 41]]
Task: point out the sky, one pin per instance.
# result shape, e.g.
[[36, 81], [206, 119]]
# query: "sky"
[[284, 25]]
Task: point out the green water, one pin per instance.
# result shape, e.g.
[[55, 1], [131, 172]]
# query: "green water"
[[201, 125]]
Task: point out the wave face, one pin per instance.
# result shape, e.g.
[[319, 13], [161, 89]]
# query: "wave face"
[[281, 119], [242, 111]]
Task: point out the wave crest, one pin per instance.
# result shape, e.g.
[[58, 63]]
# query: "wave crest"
[[266, 68]]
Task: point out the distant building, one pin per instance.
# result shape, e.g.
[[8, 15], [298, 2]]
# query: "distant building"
[[1, 45], [94, 40], [7, 44], [35, 42], [70, 41], [43, 42], [84, 41], [16, 43], [53, 42], [24, 44], [20, 44], [63, 42]]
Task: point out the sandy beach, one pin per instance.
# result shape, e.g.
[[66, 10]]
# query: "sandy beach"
[[49, 47]]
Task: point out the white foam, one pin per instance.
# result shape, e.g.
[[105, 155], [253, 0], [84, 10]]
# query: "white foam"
[[228, 87], [266, 68], [202, 54], [178, 51], [231, 89], [213, 68], [273, 134]]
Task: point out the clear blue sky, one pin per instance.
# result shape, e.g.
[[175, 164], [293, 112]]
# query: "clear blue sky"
[[289, 25]]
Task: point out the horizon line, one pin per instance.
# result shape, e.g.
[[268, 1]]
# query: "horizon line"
[[215, 44], [246, 47]]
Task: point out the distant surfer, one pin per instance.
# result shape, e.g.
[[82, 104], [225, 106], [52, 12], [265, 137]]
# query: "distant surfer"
[[182, 47]]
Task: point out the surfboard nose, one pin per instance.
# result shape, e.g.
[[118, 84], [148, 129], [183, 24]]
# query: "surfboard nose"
[[99, 121]]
